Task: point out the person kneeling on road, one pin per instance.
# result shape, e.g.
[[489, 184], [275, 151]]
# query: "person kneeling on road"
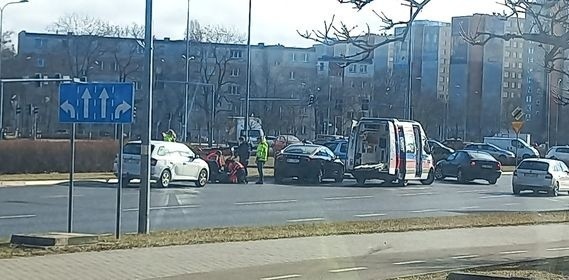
[[236, 172]]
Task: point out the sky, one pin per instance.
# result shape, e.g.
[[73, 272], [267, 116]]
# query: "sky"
[[273, 21]]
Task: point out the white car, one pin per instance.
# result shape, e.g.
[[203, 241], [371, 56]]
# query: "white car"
[[537, 175], [559, 152], [170, 161]]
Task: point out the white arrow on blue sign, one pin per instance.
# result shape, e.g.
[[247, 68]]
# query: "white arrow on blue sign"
[[96, 103]]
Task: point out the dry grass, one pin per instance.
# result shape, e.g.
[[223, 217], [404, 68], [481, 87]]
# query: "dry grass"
[[233, 234]]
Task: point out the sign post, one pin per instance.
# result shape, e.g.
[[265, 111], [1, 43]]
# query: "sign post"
[[103, 103], [517, 127]]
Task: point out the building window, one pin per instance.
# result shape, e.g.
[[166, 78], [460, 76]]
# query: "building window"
[[115, 66], [530, 59], [515, 54], [506, 84], [504, 94], [321, 66], [506, 74], [41, 43], [40, 62], [520, 65], [236, 54], [528, 99], [306, 57], [507, 54], [519, 85], [139, 49], [235, 72], [531, 50], [364, 84], [506, 64], [234, 89], [363, 68], [137, 85], [520, 55], [352, 68], [513, 85], [293, 57], [352, 84], [291, 75]]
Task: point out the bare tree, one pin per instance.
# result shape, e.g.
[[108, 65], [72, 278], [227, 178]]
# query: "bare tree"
[[214, 57], [363, 38], [546, 23], [84, 42], [127, 58]]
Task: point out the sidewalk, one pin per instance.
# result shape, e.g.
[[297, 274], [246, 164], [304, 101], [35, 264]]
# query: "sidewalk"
[[150, 263]]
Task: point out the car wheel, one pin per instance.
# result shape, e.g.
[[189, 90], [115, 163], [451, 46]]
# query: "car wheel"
[[439, 174], [555, 191], [493, 181], [430, 179], [460, 177], [360, 180], [165, 178], [516, 190], [202, 179]]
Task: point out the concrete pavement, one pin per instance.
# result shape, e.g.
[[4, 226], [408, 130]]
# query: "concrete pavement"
[[43, 209], [370, 256]]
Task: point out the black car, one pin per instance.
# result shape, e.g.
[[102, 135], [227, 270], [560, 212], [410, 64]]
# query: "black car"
[[308, 162], [467, 166]]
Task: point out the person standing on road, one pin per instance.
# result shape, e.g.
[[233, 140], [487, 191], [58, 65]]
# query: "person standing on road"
[[169, 136], [261, 159], [243, 152]]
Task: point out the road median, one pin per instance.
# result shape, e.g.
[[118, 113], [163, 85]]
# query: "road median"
[[234, 234]]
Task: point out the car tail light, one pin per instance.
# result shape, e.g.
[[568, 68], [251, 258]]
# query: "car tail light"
[[153, 162], [548, 176], [472, 163]]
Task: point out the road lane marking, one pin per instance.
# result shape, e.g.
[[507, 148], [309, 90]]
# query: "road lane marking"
[[290, 276], [164, 207], [425, 210], [512, 204], [491, 196], [370, 215], [349, 269], [470, 207], [512, 252], [305, 220], [417, 188], [471, 191], [348, 197], [465, 257], [16, 217], [558, 249], [409, 262], [62, 196], [415, 194], [265, 202]]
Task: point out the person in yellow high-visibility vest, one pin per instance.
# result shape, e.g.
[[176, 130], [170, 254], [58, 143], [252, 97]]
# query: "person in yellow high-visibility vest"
[[169, 136]]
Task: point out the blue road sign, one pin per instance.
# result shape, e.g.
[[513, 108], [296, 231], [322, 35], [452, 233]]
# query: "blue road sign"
[[96, 103]]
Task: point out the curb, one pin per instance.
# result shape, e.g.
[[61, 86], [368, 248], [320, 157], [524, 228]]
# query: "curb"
[[47, 183]]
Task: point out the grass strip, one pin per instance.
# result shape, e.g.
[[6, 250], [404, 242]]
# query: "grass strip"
[[234, 234]]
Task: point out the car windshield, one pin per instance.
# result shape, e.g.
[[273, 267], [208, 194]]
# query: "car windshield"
[[300, 149], [481, 156], [331, 146], [252, 133], [534, 165]]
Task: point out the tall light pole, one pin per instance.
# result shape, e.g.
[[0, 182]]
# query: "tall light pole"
[[248, 94], [410, 64], [2, 58], [187, 87], [144, 197]]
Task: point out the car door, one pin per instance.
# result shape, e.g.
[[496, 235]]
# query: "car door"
[[456, 163], [327, 157], [445, 164], [563, 176], [191, 165]]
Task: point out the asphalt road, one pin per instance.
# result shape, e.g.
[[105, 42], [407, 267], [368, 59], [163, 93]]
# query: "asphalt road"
[[43, 209]]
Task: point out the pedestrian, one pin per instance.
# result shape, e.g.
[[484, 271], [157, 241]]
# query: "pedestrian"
[[243, 152], [169, 136], [261, 159]]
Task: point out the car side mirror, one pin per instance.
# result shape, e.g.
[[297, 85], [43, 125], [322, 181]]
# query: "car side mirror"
[[428, 149]]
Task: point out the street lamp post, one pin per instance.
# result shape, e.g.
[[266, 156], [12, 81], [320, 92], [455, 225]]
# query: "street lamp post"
[[248, 94], [2, 58], [187, 86], [410, 62]]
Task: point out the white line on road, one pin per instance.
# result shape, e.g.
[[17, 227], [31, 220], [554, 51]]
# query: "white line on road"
[[290, 276], [62, 196], [265, 202], [16, 217], [490, 196], [415, 194], [512, 204], [305, 220], [164, 207], [512, 252], [425, 210], [465, 257], [348, 197], [470, 191], [558, 249], [470, 207], [370, 215], [408, 262], [416, 188], [349, 269]]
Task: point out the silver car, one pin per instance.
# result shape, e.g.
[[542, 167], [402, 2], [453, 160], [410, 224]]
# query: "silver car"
[[541, 175], [170, 161]]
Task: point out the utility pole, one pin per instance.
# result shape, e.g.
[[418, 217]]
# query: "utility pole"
[[248, 94], [410, 64], [144, 197], [187, 86]]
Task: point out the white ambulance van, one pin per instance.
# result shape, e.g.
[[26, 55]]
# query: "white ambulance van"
[[391, 150]]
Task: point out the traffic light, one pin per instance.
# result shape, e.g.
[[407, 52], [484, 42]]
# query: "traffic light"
[[311, 100], [18, 110], [38, 83], [36, 110], [134, 112]]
